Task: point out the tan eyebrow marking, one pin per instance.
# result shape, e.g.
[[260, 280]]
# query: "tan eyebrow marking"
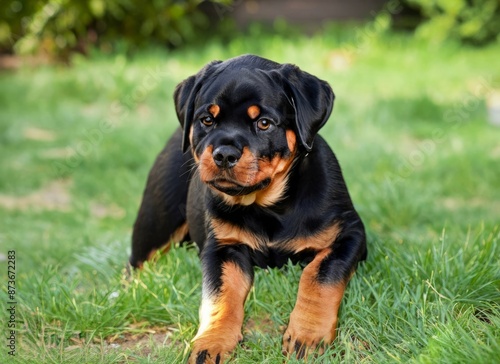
[[253, 111], [214, 110]]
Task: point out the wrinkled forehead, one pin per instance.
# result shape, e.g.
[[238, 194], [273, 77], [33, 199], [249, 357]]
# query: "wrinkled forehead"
[[242, 86]]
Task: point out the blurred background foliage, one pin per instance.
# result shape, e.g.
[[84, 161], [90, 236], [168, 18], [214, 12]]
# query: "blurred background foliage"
[[473, 21], [61, 27]]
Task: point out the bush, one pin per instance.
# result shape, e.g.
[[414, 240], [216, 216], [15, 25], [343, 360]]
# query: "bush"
[[475, 21], [62, 26]]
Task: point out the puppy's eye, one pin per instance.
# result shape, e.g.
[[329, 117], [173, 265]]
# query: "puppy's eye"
[[207, 120], [263, 124]]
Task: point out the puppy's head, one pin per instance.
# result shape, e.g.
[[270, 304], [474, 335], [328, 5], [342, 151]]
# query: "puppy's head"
[[246, 119]]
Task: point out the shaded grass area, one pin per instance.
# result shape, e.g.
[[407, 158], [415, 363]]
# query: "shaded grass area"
[[420, 160]]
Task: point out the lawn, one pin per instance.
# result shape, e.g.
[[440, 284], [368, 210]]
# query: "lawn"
[[420, 159]]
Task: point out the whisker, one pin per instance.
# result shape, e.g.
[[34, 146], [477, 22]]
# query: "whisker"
[[191, 169]]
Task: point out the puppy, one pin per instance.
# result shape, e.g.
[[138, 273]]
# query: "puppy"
[[249, 180]]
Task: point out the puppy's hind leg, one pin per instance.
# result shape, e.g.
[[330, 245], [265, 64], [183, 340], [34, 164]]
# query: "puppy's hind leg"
[[162, 216]]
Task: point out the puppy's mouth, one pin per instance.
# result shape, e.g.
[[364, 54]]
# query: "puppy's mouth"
[[234, 188]]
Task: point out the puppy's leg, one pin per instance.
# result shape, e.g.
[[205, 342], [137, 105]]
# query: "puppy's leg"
[[227, 278], [313, 320], [162, 215]]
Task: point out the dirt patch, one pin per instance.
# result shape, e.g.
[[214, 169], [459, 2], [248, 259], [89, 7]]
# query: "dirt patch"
[[495, 153], [143, 343], [58, 153], [102, 211], [457, 203], [262, 324], [38, 134], [54, 196]]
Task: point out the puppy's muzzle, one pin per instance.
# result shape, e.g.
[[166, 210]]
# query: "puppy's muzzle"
[[226, 156]]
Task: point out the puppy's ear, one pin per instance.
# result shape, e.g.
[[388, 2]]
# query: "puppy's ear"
[[185, 96], [312, 100]]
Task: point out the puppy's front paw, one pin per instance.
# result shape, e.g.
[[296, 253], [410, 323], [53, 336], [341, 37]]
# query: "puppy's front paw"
[[304, 339], [213, 349], [206, 356]]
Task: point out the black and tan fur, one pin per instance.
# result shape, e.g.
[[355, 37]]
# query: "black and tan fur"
[[265, 189]]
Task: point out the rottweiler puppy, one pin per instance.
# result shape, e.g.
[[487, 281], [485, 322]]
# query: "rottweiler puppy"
[[249, 180]]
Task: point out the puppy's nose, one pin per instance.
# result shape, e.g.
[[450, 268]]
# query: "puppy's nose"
[[226, 156]]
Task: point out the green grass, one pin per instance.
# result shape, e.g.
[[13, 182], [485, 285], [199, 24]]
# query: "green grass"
[[420, 159]]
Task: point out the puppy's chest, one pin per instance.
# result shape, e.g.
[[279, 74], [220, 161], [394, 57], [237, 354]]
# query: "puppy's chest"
[[278, 237]]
